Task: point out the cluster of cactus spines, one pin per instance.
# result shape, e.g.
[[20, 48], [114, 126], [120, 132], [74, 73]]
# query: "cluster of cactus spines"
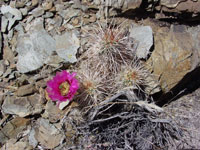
[[131, 76], [110, 64], [93, 80], [110, 44]]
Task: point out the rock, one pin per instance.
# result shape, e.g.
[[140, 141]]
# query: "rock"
[[7, 72], [185, 111], [22, 106], [48, 135], [13, 128], [67, 46], [24, 11], [195, 35], [4, 23], [48, 15], [12, 144], [62, 105], [19, 28], [2, 68], [47, 5], [11, 23], [171, 59], [37, 12], [144, 36], [8, 54], [110, 8], [54, 61], [58, 21], [15, 12], [34, 47], [1, 41], [52, 112], [180, 6], [31, 138], [20, 4], [35, 2], [69, 13], [25, 90]]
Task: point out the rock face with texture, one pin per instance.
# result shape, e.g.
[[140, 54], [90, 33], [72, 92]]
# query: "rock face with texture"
[[34, 47], [0, 43], [10, 16], [180, 6], [47, 134], [22, 106], [172, 58], [144, 38], [67, 46], [12, 144], [13, 128]]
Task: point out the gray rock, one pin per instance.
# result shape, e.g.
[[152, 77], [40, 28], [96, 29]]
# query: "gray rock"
[[31, 138], [10, 34], [8, 13], [54, 61], [58, 21], [12, 129], [67, 46], [2, 68], [13, 144], [29, 19], [144, 36], [37, 12], [24, 11], [48, 135], [69, 13], [48, 15], [1, 41], [19, 28], [25, 90], [15, 12], [34, 47], [23, 106], [4, 23], [11, 23]]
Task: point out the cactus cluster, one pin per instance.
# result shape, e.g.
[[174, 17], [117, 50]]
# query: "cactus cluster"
[[109, 65]]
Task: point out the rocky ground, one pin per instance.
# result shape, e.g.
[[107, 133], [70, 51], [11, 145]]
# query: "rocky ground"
[[40, 37]]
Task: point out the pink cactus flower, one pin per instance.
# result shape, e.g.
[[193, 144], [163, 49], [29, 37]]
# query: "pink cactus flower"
[[62, 87]]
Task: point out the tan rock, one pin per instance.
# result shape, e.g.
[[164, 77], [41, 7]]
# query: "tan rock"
[[25, 90], [47, 5], [23, 106], [35, 2], [171, 59], [12, 144], [48, 135], [180, 6], [8, 54], [13, 128]]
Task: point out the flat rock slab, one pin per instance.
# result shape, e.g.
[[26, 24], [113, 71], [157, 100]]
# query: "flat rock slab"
[[34, 47], [22, 106], [47, 134], [144, 38], [172, 58], [13, 128], [10, 16], [67, 46], [12, 144]]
